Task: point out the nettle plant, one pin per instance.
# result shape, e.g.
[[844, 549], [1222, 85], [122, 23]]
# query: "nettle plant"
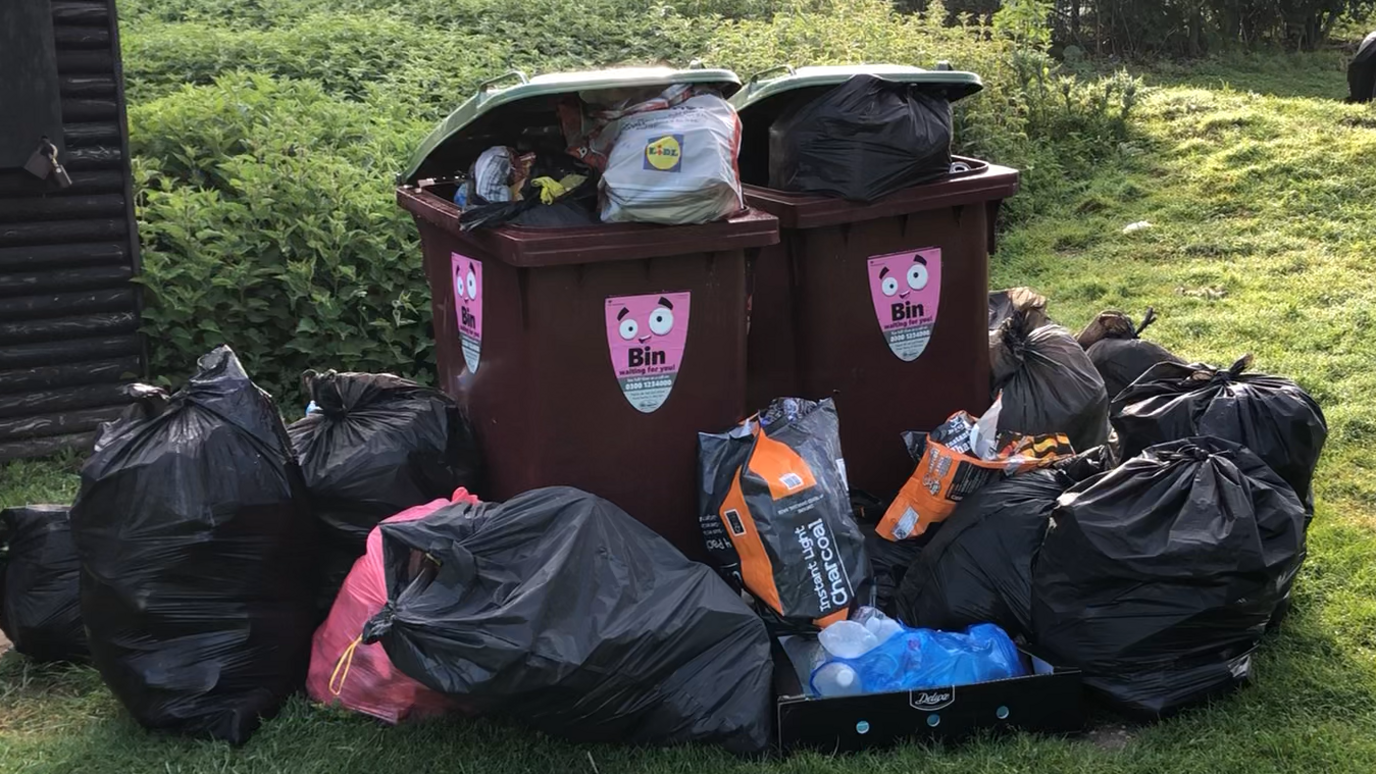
[[267, 223]]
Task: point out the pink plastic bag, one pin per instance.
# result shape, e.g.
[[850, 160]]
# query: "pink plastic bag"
[[360, 677]]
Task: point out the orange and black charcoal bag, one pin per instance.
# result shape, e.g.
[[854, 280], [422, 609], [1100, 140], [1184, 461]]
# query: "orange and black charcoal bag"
[[775, 512]]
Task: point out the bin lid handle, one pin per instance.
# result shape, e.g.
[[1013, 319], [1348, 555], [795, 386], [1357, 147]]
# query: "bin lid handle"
[[783, 68], [490, 82]]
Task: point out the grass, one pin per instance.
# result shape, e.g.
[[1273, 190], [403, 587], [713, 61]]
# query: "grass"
[[1263, 198], [39, 481]]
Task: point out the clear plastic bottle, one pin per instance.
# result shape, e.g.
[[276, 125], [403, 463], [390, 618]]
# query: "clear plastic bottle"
[[848, 639], [836, 679], [882, 627]]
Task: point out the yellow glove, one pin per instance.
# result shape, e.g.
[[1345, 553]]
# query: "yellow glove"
[[550, 189]]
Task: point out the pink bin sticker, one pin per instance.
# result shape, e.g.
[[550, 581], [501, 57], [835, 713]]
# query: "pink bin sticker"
[[646, 336], [905, 288], [468, 306]]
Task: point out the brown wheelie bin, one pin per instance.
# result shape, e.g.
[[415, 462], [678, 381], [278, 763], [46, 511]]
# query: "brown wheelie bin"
[[588, 356], [880, 305]]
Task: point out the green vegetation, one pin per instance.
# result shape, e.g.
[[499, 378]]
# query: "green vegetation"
[[1134, 28], [1257, 182], [39, 481], [268, 135]]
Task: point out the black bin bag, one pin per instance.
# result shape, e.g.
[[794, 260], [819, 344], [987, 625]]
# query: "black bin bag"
[[1004, 303], [1361, 72], [558, 610], [39, 584], [196, 549], [978, 566], [889, 560], [376, 445], [1117, 349], [1158, 578], [1273, 417], [862, 141], [1048, 383]]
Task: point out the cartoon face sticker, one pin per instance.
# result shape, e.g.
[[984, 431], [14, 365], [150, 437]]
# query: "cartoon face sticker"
[[468, 306], [646, 336], [905, 289]]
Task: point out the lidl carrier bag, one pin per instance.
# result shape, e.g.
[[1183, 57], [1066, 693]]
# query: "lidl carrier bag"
[[674, 165], [775, 512]]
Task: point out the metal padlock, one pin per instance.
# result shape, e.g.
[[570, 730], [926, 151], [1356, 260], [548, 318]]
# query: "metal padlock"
[[40, 164], [63, 179]]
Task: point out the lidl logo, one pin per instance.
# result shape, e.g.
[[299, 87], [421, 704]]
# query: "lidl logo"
[[665, 154]]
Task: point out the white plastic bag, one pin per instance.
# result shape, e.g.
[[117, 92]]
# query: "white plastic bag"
[[674, 166], [984, 435]]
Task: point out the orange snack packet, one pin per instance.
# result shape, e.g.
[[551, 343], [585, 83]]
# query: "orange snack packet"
[[948, 469]]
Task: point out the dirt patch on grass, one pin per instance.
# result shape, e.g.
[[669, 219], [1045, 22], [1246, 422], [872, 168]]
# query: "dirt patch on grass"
[[1110, 736]]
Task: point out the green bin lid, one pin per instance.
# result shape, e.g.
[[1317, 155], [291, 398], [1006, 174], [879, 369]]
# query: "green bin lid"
[[509, 106], [774, 82]]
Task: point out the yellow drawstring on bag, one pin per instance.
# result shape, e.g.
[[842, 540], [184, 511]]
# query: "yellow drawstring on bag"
[[342, 666]]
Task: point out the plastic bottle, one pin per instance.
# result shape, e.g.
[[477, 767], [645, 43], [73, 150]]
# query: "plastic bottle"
[[878, 624], [883, 627], [848, 639], [836, 679], [872, 653]]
